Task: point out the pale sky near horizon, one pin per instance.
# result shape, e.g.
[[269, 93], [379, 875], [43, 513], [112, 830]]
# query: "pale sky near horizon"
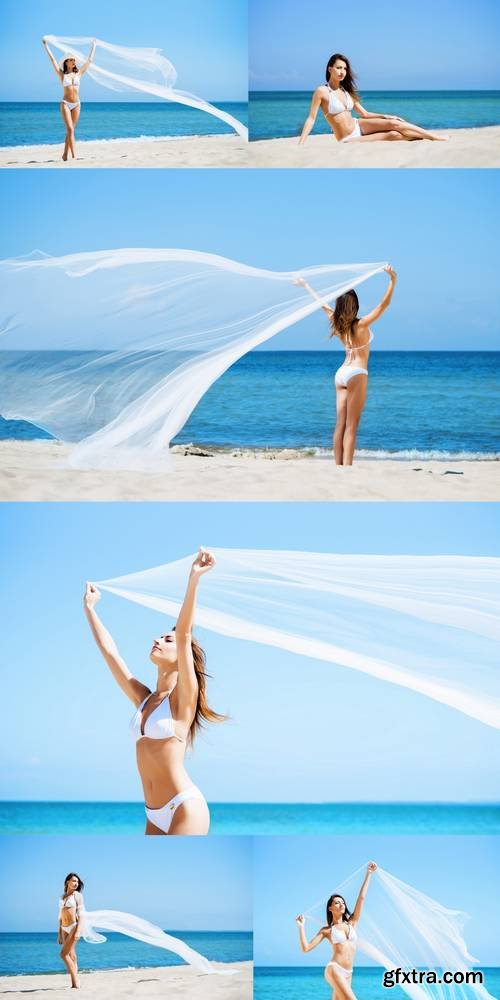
[[190, 883], [451, 45], [439, 229], [208, 44], [292, 873], [277, 745]]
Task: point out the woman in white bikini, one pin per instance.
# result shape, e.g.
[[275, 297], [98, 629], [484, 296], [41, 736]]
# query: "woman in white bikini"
[[167, 719], [341, 932], [70, 911], [351, 379], [338, 97], [70, 77]]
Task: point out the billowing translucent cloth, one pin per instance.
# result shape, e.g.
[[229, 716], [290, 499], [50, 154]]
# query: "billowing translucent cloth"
[[402, 928], [92, 921], [145, 71], [427, 623], [114, 349]]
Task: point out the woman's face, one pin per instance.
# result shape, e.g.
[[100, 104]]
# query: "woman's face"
[[164, 650], [70, 65], [73, 884], [338, 71], [337, 907]]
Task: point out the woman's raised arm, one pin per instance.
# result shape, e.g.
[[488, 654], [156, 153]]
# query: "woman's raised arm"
[[187, 683], [52, 58], [106, 645]]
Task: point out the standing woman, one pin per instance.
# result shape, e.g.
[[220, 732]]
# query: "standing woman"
[[341, 933], [351, 379], [70, 911], [70, 77], [338, 97], [167, 719]]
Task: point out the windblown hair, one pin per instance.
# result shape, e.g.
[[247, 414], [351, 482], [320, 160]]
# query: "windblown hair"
[[329, 916], [345, 315], [75, 70], [203, 711], [66, 880], [350, 82]]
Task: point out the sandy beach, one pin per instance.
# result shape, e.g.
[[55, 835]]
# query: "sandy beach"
[[193, 151], [31, 470], [466, 147], [177, 982]]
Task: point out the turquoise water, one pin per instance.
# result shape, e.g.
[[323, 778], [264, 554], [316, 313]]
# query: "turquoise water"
[[26, 124], [39, 953], [292, 983], [257, 818], [275, 114], [421, 404]]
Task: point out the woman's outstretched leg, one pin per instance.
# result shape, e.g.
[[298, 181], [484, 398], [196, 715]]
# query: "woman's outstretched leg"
[[69, 145], [340, 422], [356, 398]]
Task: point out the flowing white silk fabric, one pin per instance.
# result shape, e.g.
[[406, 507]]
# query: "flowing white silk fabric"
[[112, 350], [427, 623], [145, 71], [402, 928], [92, 921]]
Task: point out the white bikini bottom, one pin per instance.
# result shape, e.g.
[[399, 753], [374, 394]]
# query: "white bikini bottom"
[[355, 134], [162, 817], [69, 927], [345, 373], [345, 973], [71, 105]]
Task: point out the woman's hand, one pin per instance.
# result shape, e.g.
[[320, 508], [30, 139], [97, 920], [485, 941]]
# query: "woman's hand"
[[300, 920], [392, 274], [91, 597], [204, 561], [300, 281], [59, 938], [371, 866]]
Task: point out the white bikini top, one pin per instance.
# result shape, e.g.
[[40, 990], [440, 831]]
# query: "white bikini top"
[[335, 105], [73, 902], [158, 726], [338, 937], [71, 80], [351, 351]]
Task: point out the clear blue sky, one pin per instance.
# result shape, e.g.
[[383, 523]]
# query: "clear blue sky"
[[450, 45], [60, 690], [206, 42], [439, 228], [292, 873], [191, 883]]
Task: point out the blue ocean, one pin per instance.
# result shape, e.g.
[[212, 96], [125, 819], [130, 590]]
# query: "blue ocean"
[[276, 982], [276, 114], [27, 124], [247, 819], [421, 404], [39, 953]]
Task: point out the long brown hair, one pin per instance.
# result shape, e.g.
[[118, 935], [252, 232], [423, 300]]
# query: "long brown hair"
[[350, 82], [345, 315], [66, 880], [75, 70], [203, 711]]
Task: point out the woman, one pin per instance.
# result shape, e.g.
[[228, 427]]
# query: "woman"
[[351, 379], [338, 97], [70, 911], [70, 76], [341, 932], [167, 719]]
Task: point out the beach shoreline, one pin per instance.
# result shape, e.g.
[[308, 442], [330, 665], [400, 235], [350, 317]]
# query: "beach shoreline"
[[182, 982], [467, 147], [189, 151], [35, 471]]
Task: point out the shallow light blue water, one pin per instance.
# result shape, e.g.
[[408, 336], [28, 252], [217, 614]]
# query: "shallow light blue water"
[[276, 114], [39, 953], [421, 404], [26, 124], [257, 818], [293, 983]]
